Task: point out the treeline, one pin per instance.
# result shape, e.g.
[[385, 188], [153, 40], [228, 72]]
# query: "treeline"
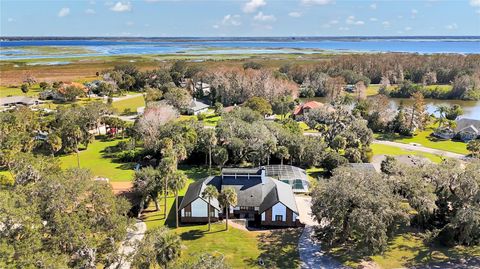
[[462, 72], [364, 212]]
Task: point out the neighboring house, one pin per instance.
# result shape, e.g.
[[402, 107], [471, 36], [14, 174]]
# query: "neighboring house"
[[261, 200], [18, 100], [444, 133], [200, 86], [294, 176], [197, 107], [467, 129], [303, 109], [60, 93]]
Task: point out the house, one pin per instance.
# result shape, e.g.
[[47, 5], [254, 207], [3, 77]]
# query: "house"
[[303, 109], [197, 107], [18, 100], [444, 133], [294, 176], [60, 93], [467, 129], [262, 200]]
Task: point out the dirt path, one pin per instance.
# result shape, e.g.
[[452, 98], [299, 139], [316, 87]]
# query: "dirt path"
[[128, 247]]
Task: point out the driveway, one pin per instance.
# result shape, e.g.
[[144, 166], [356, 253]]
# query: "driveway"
[[127, 249], [311, 255]]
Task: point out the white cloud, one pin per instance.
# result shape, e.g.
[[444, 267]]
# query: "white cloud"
[[373, 19], [373, 6], [408, 28], [231, 20], [343, 28], [253, 5], [386, 23], [10, 20], [64, 12], [452, 26], [351, 20], [414, 11], [316, 2], [90, 11], [152, 1], [295, 14], [122, 7], [475, 3], [216, 26], [129, 23], [263, 17], [333, 22]]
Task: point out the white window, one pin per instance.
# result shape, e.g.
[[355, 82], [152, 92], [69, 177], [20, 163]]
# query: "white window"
[[278, 218]]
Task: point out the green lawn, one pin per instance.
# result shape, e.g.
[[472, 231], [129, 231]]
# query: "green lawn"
[[11, 91], [93, 158], [379, 149], [305, 127], [405, 250], [131, 103], [426, 140]]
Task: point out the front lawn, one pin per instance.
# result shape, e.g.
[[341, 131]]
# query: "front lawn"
[[94, 159], [11, 91], [379, 149], [130, 104], [406, 249], [428, 141]]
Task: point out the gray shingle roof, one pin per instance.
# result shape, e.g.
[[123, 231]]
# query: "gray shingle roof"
[[257, 191], [465, 123]]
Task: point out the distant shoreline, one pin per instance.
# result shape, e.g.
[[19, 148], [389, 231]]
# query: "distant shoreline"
[[239, 39]]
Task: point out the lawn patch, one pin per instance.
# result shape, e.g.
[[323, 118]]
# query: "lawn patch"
[[379, 149]]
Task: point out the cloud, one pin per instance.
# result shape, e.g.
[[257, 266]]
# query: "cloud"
[[231, 20], [452, 26], [343, 28], [414, 13], [373, 6], [333, 22], [475, 3], [295, 14], [316, 2], [152, 1], [216, 26], [90, 11], [63, 12], [263, 17], [408, 28], [10, 20], [129, 23], [121, 7], [386, 23], [373, 19], [252, 5], [351, 20]]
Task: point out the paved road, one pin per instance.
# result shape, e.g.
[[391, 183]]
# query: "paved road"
[[128, 246], [311, 254]]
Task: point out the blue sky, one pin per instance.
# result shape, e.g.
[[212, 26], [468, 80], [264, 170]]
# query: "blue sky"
[[239, 17]]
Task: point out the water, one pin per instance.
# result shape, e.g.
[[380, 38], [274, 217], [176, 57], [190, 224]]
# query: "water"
[[11, 50], [471, 109]]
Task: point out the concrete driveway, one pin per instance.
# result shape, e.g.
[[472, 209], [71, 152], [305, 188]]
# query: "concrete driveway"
[[311, 254]]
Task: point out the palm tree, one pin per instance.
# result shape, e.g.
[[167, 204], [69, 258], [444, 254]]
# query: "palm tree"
[[209, 193], [282, 153], [159, 247], [177, 182], [168, 166], [146, 184], [442, 110], [228, 197]]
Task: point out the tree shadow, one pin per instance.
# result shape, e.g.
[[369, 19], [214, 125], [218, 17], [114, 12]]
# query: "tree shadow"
[[192, 235], [279, 248], [197, 172]]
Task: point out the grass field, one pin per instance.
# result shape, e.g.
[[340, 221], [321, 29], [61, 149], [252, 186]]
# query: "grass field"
[[131, 103], [93, 158], [12, 91], [379, 149], [426, 140], [405, 250]]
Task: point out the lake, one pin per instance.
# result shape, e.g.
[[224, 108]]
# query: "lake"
[[25, 49], [471, 109]]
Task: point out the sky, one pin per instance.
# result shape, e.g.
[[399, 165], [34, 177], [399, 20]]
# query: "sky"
[[157, 18]]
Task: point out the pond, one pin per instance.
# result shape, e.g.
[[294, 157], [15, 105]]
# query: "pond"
[[471, 109]]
